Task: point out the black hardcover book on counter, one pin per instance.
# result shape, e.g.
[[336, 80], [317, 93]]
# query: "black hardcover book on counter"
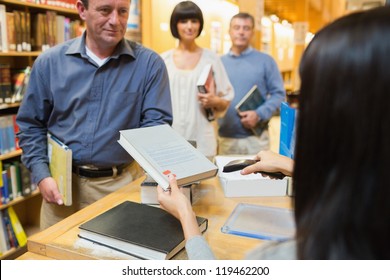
[[143, 231]]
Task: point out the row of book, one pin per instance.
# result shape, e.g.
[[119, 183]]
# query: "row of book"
[[13, 83], [8, 130], [12, 234], [69, 4], [25, 31], [15, 181]]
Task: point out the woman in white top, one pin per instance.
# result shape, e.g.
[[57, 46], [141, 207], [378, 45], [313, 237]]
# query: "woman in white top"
[[185, 64]]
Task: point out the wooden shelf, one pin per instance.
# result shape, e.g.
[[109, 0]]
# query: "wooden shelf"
[[9, 105], [40, 6], [19, 199], [11, 154], [22, 54]]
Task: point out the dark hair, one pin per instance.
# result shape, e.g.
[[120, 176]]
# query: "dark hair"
[[342, 158], [85, 3], [185, 10], [244, 16]]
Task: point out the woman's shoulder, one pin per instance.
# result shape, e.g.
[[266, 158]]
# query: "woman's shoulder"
[[167, 54], [210, 54]]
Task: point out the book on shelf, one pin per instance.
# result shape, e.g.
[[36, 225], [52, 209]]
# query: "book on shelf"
[[20, 80], [149, 191], [143, 231], [236, 185], [5, 83], [262, 222], [161, 151], [203, 84], [251, 101], [4, 240], [60, 164], [17, 227], [3, 29], [11, 31], [13, 242]]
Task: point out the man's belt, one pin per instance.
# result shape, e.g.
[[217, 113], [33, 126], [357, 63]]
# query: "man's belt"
[[98, 172]]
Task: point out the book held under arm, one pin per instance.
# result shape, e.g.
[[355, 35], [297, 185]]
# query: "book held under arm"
[[251, 101], [205, 79], [161, 151], [60, 164], [143, 231]]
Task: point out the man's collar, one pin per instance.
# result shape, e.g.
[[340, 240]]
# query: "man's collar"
[[78, 47], [246, 51]]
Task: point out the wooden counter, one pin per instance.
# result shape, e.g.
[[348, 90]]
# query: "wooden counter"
[[61, 241]]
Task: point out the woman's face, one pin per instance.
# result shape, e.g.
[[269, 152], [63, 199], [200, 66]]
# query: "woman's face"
[[188, 29]]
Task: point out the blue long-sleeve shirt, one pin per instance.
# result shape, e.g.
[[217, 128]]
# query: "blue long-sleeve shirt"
[[251, 68], [86, 106]]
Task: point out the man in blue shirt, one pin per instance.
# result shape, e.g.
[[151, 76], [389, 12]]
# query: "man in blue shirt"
[[84, 92], [247, 67]]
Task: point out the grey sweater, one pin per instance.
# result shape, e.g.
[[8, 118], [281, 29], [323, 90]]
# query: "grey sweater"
[[198, 249]]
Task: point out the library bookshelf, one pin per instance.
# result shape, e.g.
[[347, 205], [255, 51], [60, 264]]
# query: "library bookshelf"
[[17, 55]]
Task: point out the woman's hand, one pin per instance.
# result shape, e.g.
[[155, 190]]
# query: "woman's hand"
[[176, 203], [270, 162]]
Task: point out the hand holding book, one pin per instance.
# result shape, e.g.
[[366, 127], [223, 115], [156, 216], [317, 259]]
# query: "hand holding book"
[[206, 86], [177, 204]]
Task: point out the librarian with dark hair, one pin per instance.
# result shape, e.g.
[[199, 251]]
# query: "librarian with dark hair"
[[342, 156], [84, 91], [185, 64], [247, 67]]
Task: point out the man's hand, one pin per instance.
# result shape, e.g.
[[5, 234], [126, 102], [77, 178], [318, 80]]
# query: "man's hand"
[[249, 119], [49, 191]]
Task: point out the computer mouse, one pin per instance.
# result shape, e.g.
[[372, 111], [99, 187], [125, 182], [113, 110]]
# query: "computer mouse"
[[239, 164]]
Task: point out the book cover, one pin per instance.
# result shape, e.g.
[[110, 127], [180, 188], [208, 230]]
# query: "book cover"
[[262, 222], [251, 101], [161, 151], [13, 242], [11, 31], [26, 180], [203, 83], [3, 29], [17, 227], [60, 164], [236, 185], [4, 240], [140, 230]]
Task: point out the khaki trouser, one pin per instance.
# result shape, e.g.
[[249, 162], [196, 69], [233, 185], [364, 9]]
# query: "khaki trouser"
[[85, 191], [243, 146]]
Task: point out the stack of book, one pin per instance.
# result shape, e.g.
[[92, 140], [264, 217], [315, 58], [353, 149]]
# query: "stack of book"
[[140, 230]]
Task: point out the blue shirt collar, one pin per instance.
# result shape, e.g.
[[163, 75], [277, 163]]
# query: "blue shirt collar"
[[78, 47], [246, 51]]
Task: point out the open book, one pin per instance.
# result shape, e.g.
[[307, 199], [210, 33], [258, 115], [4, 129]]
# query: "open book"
[[203, 83], [161, 151], [146, 232], [251, 101], [60, 164]]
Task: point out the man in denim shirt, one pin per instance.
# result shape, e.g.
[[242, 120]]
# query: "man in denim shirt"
[[84, 91]]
